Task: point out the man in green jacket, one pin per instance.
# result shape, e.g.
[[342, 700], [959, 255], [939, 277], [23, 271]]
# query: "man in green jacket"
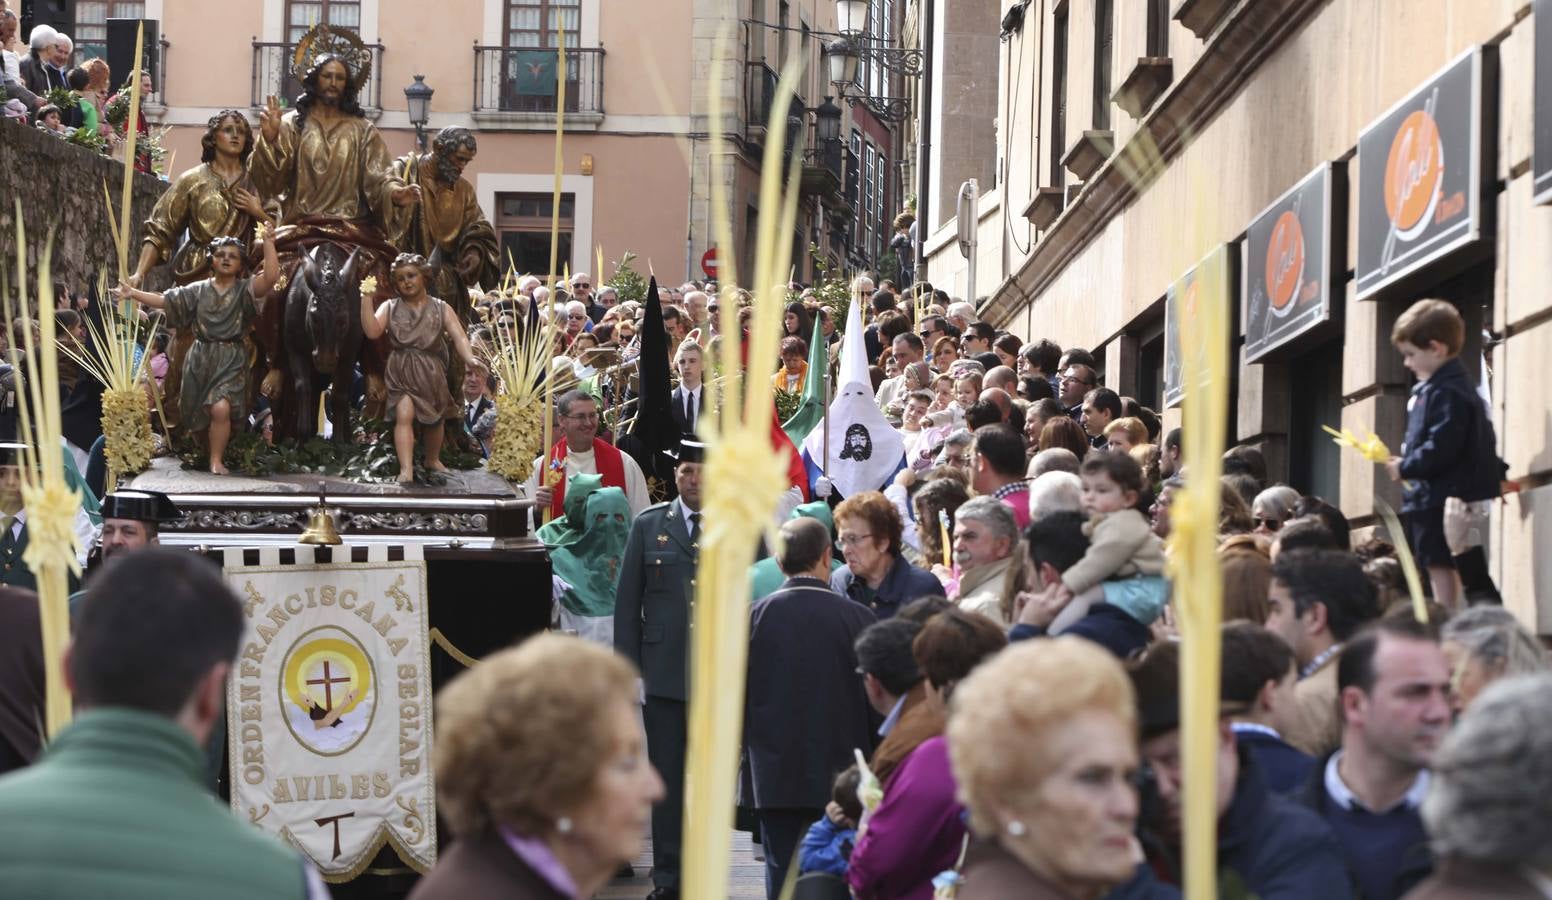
[[117, 806]]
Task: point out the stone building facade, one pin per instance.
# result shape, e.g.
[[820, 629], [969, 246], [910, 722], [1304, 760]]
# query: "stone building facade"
[[1139, 137], [60, 186]]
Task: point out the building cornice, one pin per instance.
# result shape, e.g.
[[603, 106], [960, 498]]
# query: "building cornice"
[[1246, 38]]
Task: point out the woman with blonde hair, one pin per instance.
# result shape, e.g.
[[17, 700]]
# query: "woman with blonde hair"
[[1048, 776], [1126, 433], [542, 773]]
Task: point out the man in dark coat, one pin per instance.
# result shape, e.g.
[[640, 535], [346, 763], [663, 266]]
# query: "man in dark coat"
[[21, 678], [1268, 845], [653, 606], [805, 710]]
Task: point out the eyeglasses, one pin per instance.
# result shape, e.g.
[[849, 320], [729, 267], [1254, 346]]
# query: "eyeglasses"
[[582, 285], [1268, 524], [577, 316], [851, 540]]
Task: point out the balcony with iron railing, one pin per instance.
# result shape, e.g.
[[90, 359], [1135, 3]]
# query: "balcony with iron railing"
[[272, 77], [518, 87]]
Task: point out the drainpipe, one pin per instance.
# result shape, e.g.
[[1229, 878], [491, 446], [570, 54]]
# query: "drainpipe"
[[924, 138]]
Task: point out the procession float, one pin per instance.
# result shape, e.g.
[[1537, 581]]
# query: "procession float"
[[310, 437]]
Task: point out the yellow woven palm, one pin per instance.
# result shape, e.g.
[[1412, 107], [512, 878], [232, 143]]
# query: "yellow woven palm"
[[743, 478], [51, 507]]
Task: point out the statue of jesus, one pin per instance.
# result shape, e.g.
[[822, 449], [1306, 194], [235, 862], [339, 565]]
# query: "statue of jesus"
[[325, 158], [330, 170]]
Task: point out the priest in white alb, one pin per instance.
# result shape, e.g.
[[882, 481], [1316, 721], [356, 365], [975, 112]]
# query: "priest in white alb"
[[580, 451]]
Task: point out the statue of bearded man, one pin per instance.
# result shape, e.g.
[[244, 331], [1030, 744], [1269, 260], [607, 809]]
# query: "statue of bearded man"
[[325, 159], [448, 228]]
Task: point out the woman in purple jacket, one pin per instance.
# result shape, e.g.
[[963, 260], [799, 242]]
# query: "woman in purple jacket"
[[918, 830]]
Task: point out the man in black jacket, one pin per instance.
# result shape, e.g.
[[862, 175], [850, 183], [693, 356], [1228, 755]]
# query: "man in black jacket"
[[805, 709], [1055, 542], [1268, 845]]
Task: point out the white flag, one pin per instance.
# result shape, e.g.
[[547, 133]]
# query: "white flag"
[[865, 450]]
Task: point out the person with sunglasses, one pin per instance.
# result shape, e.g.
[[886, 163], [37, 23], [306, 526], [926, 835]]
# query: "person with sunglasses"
[[582, 290], [1273, 507]]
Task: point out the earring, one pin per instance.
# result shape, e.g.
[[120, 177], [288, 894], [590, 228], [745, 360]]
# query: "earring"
[[1016, 828], [563, 825]]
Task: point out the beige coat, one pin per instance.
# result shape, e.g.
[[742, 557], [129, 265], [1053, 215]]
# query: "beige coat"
[[1121, 544], [982, 589], [1320, 724]]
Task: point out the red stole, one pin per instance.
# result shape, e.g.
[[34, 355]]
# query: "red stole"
[[605, 455]]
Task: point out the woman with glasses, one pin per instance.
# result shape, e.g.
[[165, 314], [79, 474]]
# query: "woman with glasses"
[[1273, 507], [876, 574]]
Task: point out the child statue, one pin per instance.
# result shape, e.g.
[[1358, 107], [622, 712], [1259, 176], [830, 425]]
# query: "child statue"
[[418, 327], [219, 309]]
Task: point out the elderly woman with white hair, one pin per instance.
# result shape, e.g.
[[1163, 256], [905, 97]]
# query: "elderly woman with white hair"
[[1054, 492], [1048, 776], [1483, 644], [1273, 507], [41, 72], [1489, 808]]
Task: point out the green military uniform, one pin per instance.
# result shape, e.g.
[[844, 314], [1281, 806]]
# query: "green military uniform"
[[116, 808], [653, 605], [14, 572]]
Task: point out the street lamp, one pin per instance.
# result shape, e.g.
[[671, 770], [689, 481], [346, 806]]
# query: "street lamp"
[[418, 98], [851, 16], [827, 122], [841, 60]]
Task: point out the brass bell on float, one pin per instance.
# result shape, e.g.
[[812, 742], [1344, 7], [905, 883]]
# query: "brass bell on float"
[[320, 523]]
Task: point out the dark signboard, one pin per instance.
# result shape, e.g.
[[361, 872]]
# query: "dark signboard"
[[1180, 304], [1292, 251], [1541, 153], [1421, 173]]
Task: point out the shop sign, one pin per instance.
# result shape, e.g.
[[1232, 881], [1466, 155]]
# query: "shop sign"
[[1421, 173], [1209, 281], [1288, 264]]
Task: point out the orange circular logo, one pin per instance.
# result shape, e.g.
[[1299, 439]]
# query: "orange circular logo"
[[1189, 300], [1285, 262], [1413, 174]]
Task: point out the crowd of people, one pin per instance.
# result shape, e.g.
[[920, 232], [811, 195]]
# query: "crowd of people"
[[964, 679], [988, 639], [38, 74]]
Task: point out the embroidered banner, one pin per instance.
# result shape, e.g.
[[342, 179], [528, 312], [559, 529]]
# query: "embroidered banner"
[[329, 710]]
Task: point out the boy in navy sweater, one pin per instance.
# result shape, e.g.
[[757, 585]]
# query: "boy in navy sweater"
[[1450, 449]]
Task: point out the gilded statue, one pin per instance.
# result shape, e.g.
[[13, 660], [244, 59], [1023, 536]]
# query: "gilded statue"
[[214, 199], [340, 201]]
